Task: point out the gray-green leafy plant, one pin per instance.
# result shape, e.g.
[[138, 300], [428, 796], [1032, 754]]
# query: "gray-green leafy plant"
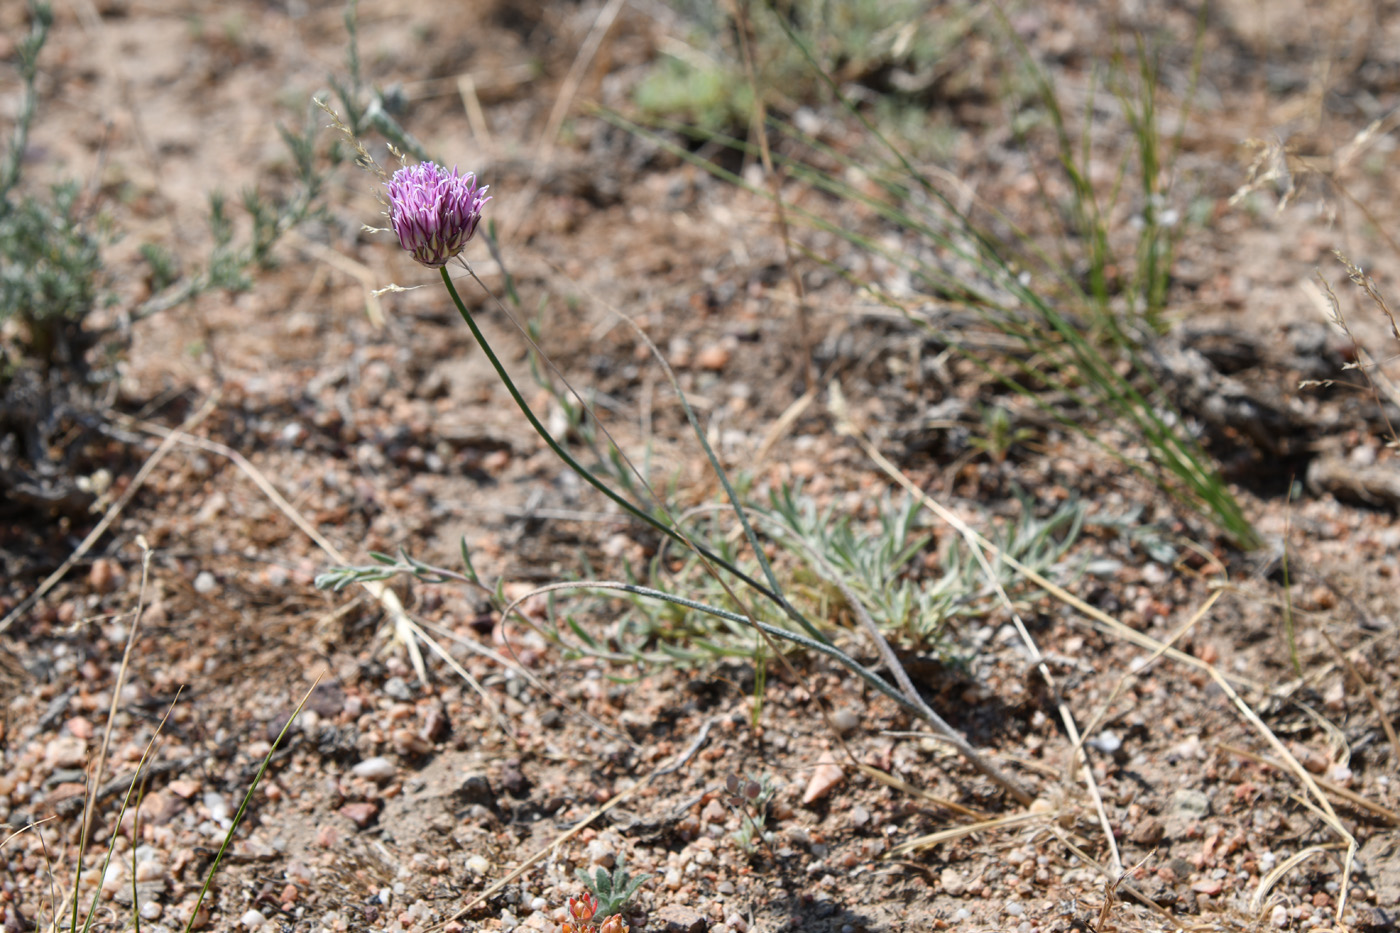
[[613, 890], [50, 244]]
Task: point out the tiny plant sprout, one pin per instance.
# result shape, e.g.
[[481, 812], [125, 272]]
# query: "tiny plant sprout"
[[750, 800], [434, 212]]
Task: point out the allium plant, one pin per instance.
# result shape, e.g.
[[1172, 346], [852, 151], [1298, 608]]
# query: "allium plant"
[[433, 211]]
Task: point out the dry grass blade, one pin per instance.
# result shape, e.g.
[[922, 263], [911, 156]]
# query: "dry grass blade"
[[1370, 698], [374, 308], [1266, 883], [1327, 814], [1345, 794], [563, 101], [100, 763], [889, 780], [921, 843], [1121, 881]]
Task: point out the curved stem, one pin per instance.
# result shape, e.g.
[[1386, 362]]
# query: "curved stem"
[[579, 468]]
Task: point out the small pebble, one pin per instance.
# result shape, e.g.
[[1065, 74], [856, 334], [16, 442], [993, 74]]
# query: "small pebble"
[[952, 882], [66, 751], [713, 357], [378, 769], [826, 775], [601, 852], [217, 806], [252, 919], [398, 689], [1015, 909], [361, 814], [80, 727], [104, 575], [204, 584], [1107, 742], [845, 720]]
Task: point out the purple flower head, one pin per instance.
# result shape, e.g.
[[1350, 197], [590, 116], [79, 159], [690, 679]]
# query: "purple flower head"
[[434, 211]]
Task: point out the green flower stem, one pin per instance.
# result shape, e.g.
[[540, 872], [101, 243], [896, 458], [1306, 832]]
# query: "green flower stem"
[[579, 468]]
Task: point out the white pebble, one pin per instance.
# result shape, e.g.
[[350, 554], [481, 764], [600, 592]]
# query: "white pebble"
[[601, 852], [151, 910], [216, 805], [252, 919], [378, 769], [1107, 742], [1015, 909], [845, 720], [204, 584], [539, 904], [478, 865]]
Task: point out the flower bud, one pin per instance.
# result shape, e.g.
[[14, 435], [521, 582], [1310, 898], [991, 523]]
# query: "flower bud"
[[583, 907]]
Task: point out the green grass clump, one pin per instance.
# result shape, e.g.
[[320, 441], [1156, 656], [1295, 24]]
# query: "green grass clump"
[[1080, 329]]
